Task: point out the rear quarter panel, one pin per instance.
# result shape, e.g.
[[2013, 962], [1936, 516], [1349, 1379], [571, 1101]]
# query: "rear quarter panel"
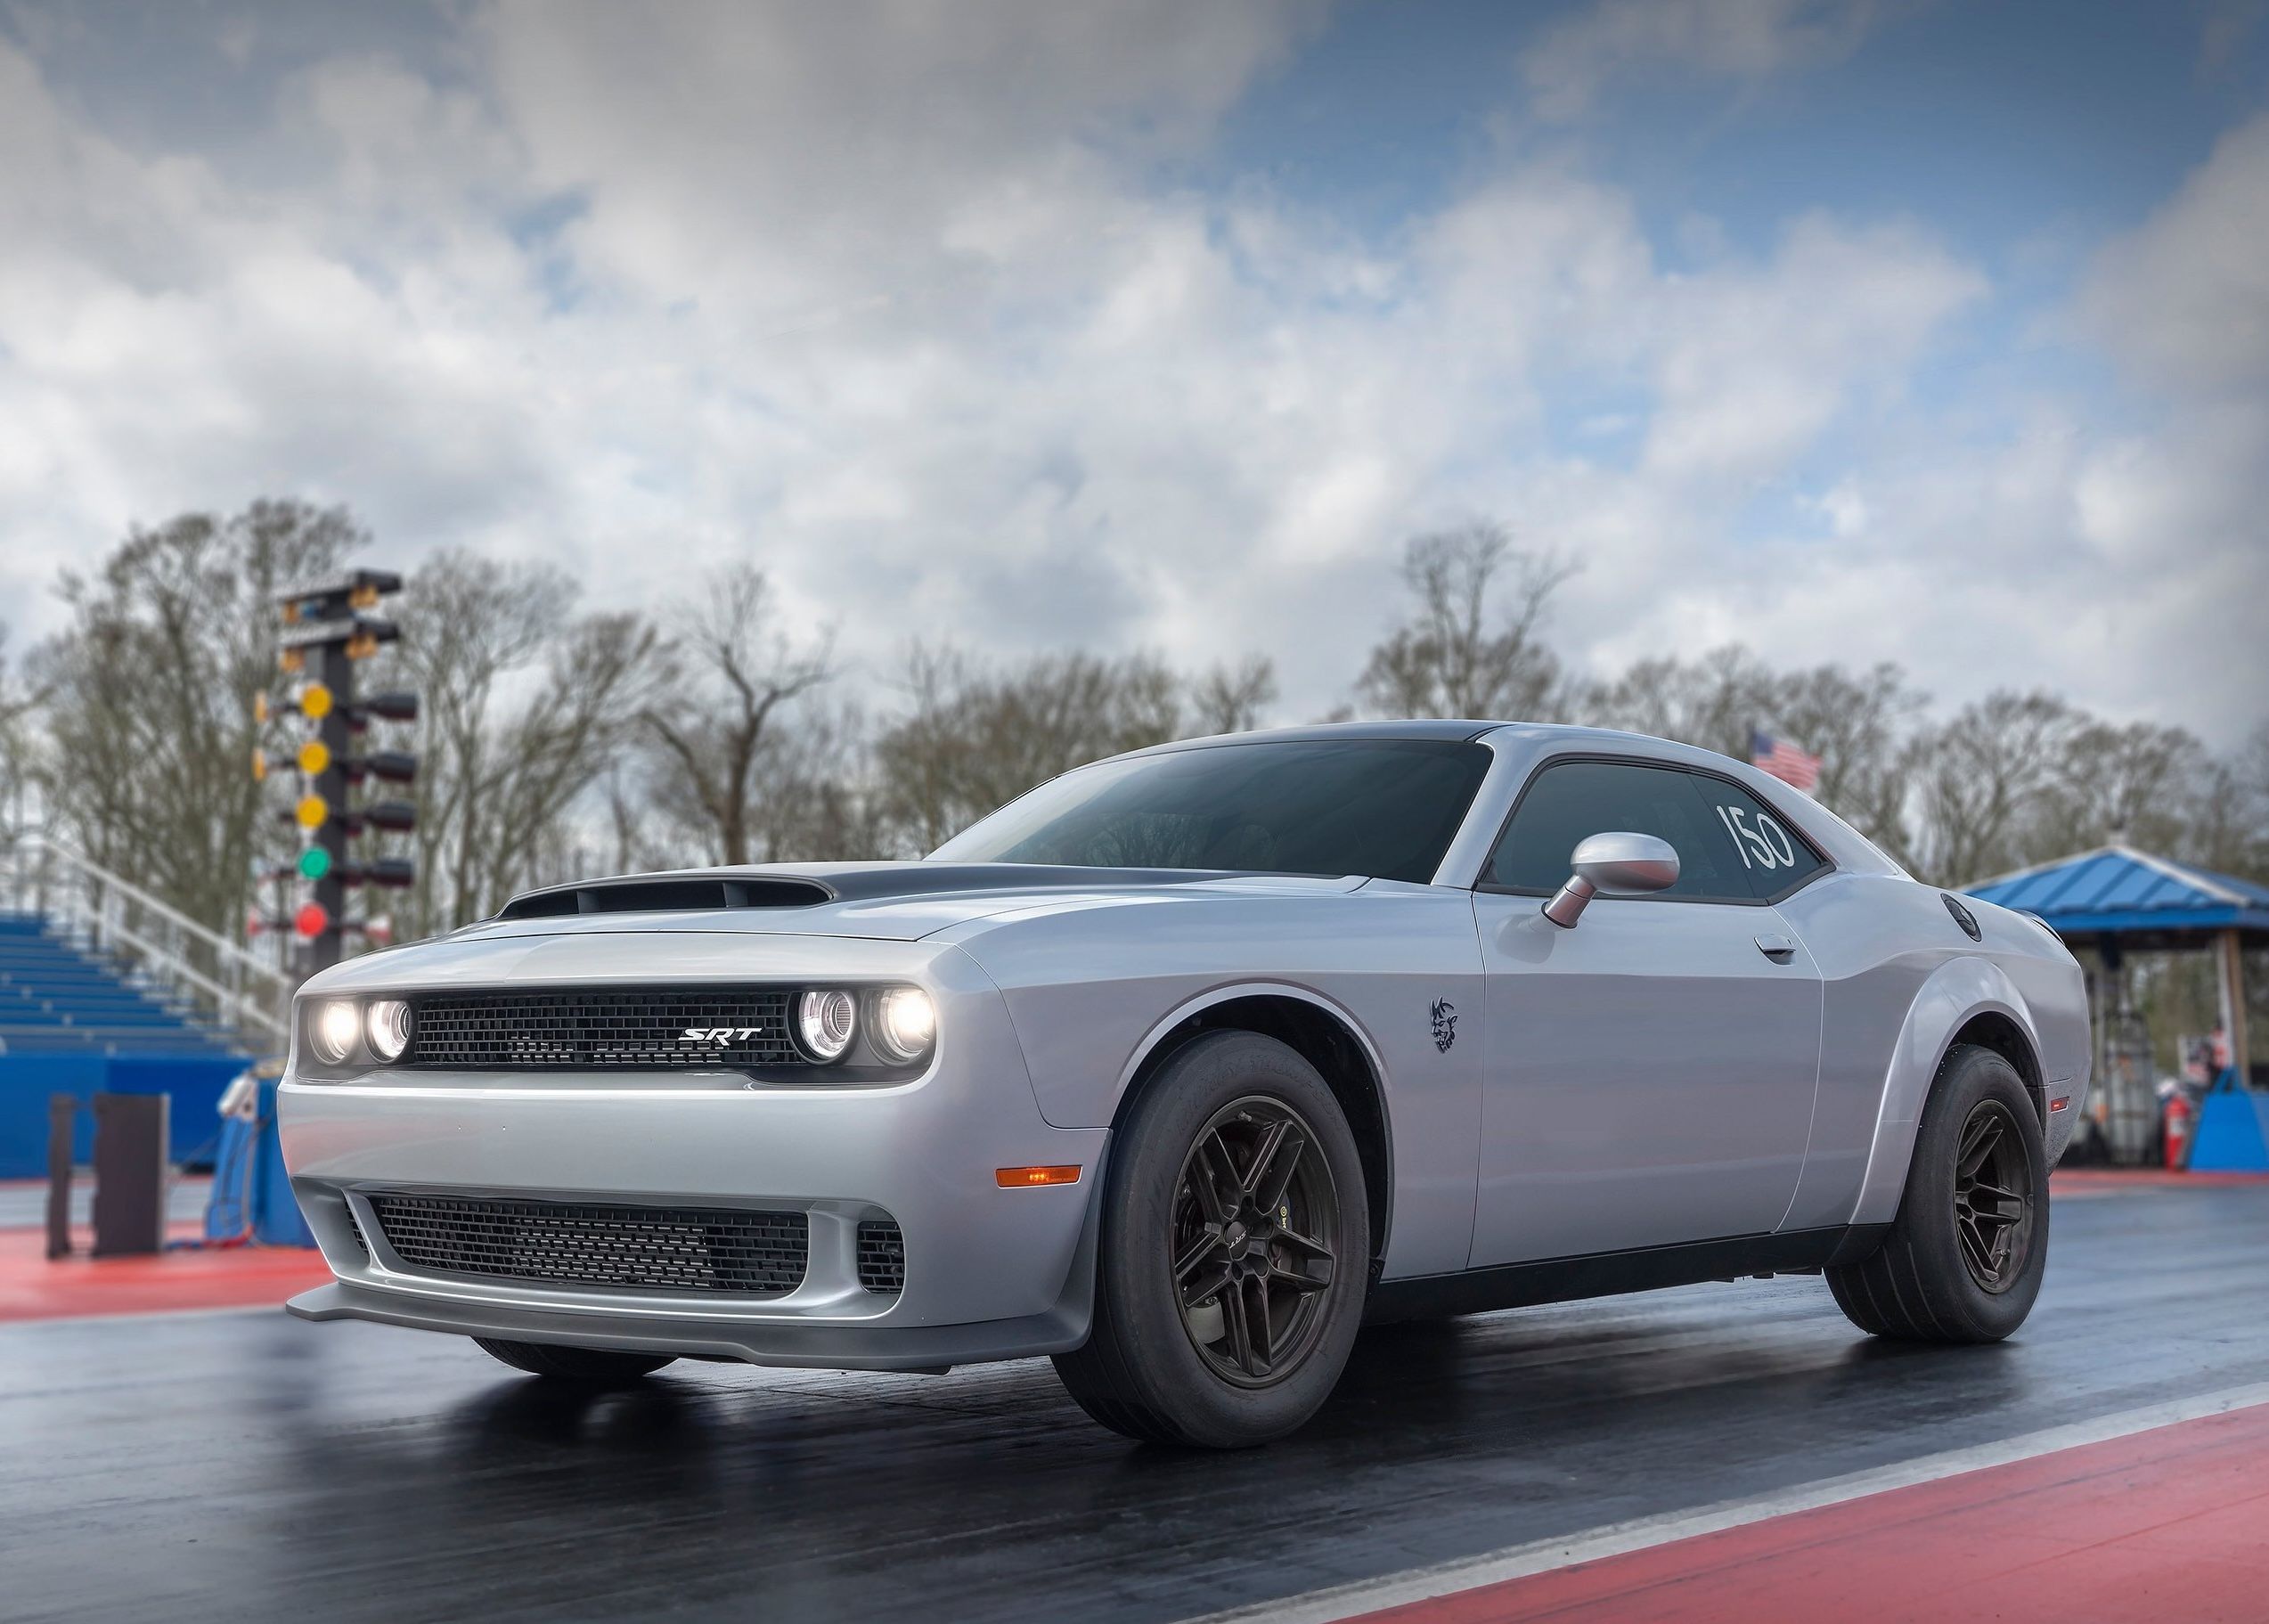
[[1092, 984], [1900, 979]]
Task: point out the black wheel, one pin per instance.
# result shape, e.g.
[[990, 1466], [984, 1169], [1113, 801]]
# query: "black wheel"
[[1964, 1262], [1235, 1252], [590, 1366]]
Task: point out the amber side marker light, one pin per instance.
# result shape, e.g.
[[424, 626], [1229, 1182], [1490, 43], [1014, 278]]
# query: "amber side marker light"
[[1018, 1177]]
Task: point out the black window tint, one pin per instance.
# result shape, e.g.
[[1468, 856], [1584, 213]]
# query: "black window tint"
[[1387, 808], [1568, 803], [1775, 857]]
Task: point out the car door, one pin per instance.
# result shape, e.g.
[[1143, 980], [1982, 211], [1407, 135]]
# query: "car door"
[[1648, 1073]]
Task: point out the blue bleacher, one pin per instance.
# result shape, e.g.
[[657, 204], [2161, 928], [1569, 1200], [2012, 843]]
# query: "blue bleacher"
[[72, 1023], [55, 999]]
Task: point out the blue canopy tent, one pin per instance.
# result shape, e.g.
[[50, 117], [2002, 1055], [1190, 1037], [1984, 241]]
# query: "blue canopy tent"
[[2117, 900]]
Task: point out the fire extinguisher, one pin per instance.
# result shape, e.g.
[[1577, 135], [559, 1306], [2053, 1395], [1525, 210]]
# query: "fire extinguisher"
[[2178, 1130]]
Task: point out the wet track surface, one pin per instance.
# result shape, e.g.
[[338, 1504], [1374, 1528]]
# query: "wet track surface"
[[249, 1466]]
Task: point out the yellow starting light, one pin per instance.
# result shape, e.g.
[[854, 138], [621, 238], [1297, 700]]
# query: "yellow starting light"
[[311, 811], [363, 597], [361, 646], [259, 765], [260, 706], [291, 660], [291, 614], [1024, 1177], [314, 702], [314, 756]]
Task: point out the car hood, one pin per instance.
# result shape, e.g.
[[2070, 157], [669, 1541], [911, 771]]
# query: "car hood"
[[894, 901]]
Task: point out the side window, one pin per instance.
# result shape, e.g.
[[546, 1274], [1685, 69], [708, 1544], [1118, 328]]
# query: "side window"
[[1571, 801], [1774, 857]]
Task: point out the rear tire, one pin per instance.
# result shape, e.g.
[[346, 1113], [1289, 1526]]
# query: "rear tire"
[[1963, 1261], [1235, 1171], [586, 1366]]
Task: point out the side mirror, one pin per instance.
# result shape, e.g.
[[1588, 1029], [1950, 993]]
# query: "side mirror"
[[1620, 864]]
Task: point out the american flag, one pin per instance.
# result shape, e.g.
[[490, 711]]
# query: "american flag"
[[1784, 761]]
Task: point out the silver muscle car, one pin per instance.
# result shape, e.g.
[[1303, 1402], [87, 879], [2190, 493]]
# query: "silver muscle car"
[[1186, 1064]]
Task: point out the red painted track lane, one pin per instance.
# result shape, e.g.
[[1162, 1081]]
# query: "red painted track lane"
[[2167, 1524], [76, 1287]]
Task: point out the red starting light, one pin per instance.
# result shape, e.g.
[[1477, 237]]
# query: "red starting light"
[[311, 919]]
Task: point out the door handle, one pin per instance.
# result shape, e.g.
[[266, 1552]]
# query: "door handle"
[[1778, 949]]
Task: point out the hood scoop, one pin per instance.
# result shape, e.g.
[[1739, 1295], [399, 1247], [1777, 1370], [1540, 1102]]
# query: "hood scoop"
[[810, 884], [666, 896]]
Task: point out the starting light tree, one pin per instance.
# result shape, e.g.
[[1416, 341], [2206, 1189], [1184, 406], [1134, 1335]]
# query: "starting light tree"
[[328, 631]]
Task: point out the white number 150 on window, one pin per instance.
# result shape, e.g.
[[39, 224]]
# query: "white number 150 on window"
[[1768, 840]]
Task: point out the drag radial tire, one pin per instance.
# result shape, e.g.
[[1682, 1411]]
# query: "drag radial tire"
[[590, 1366], [1234, 1252], [1964, 1262]]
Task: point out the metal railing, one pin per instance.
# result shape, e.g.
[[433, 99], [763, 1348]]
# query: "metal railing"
[[196, 969]]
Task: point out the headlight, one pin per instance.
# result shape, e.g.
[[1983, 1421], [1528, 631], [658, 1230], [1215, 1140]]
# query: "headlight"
[[905, 1024], [332, 1029], [825, 1023], [387, 1027]]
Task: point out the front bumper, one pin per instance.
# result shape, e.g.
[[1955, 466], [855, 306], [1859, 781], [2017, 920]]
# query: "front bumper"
[[990, 1273]]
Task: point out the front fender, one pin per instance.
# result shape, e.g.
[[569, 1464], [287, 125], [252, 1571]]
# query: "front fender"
[[1956, 992]]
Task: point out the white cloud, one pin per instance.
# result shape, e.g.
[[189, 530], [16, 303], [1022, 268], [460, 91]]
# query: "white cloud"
[[1750, 40], [1756, 363], [908, 313], [2184, 300]]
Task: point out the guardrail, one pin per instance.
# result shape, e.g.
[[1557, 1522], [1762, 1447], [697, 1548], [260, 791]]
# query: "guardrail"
[[210, 977]]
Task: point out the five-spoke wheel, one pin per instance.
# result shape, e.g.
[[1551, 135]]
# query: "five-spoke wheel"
[[1250, 1260], [1963, 1260], [1993, 1197], [1235, 1246]]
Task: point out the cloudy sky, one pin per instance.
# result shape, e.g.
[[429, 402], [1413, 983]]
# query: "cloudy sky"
[[1937, 333]]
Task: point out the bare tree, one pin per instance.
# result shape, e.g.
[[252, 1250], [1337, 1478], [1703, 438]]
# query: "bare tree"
[[711, 732], [1712, 701], [1474, 646], [148, 713], [18, 700], [1977, 782], [811, 803], [2137, 783], [973, 740], [524, 707], [1858, 724], [1231, 699]]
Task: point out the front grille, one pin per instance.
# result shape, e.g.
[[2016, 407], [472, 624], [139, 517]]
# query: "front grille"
[[677, 1249], [882, 1255], [609, 1029]]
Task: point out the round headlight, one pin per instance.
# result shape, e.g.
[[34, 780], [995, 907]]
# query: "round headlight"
[[333, 1029], [387, 1027], [825, 1022], [905, 1024]]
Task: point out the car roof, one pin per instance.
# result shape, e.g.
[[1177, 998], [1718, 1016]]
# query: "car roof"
[[1436, 729]]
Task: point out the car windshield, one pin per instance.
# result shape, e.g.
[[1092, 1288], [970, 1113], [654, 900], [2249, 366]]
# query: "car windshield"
[[1386, 808]]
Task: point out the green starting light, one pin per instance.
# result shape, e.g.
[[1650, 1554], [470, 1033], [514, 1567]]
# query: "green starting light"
[[315, 863]]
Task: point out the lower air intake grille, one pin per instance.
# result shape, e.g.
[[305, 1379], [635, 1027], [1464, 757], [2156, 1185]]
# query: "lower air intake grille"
[[677, 1249], [608, 1029], [882, 1255]]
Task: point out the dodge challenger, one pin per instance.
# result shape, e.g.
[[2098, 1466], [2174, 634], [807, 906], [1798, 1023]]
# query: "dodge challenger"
[[1187, 1063]]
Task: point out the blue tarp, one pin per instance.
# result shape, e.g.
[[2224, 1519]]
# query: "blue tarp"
[[252, 1198], [2233, 1134]]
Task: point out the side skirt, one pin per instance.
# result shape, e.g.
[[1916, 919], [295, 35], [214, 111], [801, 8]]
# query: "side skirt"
[[1512, 1285]]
